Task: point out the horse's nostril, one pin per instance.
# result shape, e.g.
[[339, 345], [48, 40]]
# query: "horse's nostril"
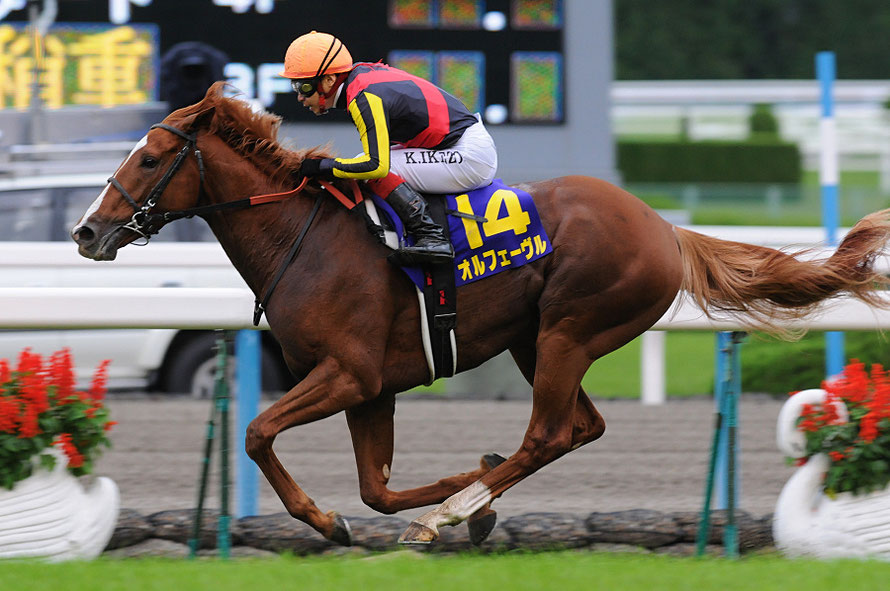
[[83, 235]]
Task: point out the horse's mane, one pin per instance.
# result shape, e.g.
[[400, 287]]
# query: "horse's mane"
[[251, 134]]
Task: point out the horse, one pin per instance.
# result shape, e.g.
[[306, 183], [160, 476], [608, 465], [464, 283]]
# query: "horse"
[[347, 319]]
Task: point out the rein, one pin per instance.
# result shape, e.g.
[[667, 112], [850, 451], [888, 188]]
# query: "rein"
[[147, 224]]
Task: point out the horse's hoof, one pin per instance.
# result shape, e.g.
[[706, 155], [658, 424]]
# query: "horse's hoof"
[[480, 527], [493, 460], [418, 534], [341, 533]]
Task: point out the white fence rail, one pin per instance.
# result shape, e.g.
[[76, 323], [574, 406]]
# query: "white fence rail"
[[232, 308], [52, 293]]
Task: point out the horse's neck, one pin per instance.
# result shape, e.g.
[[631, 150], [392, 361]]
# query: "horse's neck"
[[255, 239]]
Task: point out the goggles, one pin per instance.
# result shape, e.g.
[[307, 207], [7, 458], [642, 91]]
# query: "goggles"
[[305, 87]]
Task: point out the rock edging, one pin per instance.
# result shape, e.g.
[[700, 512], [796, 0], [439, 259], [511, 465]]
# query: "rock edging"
[[633, 530]]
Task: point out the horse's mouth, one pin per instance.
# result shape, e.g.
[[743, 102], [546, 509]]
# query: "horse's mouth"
[[106, 248]]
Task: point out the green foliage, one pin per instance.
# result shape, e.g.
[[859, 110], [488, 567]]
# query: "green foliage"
[[755, 39], [709, 162], [779, 368], [762, 124]]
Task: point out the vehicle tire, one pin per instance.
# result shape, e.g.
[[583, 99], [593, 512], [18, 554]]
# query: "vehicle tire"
[[191, 369]]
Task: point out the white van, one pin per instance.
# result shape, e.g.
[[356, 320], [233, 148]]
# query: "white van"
[[36, 215]]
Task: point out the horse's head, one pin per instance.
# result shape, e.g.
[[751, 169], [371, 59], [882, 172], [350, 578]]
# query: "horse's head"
[[163, 173]]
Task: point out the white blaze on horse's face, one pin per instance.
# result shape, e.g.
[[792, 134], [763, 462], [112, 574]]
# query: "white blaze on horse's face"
[[94, 207]]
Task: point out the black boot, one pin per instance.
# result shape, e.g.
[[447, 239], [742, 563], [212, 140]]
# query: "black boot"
[[430, 244]]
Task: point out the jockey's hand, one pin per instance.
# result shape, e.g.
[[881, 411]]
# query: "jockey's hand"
[[316, 167]]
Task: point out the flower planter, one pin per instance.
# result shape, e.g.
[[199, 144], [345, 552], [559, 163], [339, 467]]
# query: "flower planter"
[[807, 522], [50, 515]]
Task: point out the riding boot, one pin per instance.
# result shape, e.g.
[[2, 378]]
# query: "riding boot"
[[430, 245]]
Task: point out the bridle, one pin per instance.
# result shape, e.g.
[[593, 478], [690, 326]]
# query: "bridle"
[[143, 222], [147, 224]]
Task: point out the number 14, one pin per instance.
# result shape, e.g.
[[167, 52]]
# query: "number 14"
[[516, 219]]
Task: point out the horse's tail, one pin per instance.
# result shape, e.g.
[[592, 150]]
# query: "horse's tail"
[[763, 287]]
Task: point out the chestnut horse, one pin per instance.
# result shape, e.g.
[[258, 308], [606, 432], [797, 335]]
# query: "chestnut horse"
[[347, 320]]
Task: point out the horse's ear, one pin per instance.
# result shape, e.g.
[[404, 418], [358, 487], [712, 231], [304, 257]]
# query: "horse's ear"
[[200, 120]]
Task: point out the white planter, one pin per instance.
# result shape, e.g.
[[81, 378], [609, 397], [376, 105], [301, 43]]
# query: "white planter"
[[49, 515], [807, 522]]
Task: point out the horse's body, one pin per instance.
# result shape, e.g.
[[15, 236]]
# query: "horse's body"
[[348, 321]]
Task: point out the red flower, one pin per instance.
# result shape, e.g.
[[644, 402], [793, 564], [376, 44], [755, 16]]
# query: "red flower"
[[868, 428], [852, 387], [837, 456], [109, 425], [62, 373], [100, 379], [33, 385], [28, 426], [75, 458], [4, 371], [9, 412]]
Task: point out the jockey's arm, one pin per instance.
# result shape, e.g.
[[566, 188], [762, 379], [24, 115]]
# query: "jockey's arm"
[[370, 119]]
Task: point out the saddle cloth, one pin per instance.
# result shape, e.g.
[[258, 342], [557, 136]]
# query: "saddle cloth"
[[506, 232]]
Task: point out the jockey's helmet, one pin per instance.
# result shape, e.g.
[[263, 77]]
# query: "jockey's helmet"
[[315, 54]]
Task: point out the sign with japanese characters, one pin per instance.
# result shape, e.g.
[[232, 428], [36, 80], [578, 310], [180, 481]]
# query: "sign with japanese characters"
[[79, 64], [503, 58]]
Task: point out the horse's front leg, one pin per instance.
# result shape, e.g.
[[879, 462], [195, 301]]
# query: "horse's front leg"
[[329, 388]]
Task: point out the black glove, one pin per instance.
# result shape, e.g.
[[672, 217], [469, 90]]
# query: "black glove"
[[312, 167]]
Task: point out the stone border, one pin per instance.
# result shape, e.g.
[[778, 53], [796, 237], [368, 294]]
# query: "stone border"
[[639, 530]]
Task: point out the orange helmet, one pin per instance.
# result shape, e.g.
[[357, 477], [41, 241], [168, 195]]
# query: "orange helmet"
[[316, 54]]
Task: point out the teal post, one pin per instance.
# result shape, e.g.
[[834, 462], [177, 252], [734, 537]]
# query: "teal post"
[[223, 531], [723, 473]]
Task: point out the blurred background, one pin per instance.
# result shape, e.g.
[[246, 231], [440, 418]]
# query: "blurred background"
[[708, 112]]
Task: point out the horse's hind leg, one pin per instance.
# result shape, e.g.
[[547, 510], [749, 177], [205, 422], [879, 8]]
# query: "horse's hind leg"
[[561, 420], [371, 427], [587, 423]]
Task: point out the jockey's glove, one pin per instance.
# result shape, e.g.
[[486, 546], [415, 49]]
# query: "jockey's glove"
[[317, 167]]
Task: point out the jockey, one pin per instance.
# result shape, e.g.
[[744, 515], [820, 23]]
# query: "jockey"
[[415, 136]]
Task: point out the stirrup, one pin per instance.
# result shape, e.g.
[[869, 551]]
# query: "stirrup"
[[413, 255]]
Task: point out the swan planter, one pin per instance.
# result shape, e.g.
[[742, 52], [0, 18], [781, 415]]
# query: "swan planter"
[[50, 515], [810, 522], [50, 434]]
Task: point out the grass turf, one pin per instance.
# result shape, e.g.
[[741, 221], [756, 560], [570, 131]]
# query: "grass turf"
[[562, 571]]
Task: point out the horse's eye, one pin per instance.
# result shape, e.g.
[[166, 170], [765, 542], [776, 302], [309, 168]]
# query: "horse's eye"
[[149, 161]]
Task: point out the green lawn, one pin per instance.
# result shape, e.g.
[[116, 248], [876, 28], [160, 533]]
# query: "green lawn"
[[559, 571], [768, 364], [689, 368]]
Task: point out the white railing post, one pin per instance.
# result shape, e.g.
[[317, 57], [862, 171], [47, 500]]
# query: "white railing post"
[[652, 368]]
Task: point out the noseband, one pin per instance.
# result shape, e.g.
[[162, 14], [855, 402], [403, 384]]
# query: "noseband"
[[143, 222]]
